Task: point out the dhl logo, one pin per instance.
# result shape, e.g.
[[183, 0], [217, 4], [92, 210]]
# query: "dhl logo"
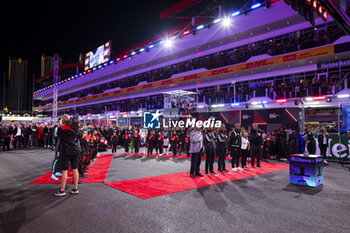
[[256, 64], [220, 71], [131, 89], [191, 77], [290, 57], [304, 54], [147, 86], [167, 82]]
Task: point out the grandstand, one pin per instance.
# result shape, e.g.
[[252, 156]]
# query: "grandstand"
[[265, 56]]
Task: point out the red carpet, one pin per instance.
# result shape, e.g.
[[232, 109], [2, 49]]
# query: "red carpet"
[[96, 174], [171, 183]]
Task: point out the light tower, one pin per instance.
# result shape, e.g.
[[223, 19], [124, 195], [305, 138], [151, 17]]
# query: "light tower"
[[55, 91]]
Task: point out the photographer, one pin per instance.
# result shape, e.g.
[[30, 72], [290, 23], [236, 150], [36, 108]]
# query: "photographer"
[[70, 150]]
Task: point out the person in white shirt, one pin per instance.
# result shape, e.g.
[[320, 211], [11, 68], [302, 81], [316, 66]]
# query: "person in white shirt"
[[18, 137], [245, 147]]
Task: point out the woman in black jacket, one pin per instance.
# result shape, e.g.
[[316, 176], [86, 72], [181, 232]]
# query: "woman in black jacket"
[[70, 150]]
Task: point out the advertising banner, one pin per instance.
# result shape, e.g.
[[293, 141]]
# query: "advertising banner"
[[337, 150]]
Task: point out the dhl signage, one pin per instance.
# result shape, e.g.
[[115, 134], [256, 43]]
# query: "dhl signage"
[[302, 55]]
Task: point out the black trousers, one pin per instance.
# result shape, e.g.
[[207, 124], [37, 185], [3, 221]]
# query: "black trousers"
[[114, 147], [136, 147], [126, 145], [209, 161], [150, 148], [256, 153], [18, 142], [195, 163], [222, 156], [160, 148], [244, 154], [235, 154], [323, 149]]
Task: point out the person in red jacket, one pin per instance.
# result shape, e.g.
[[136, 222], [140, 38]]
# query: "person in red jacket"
[[174, 141], [127, 139], [160, 143], [150, 143], [114, 141], [136, 140]]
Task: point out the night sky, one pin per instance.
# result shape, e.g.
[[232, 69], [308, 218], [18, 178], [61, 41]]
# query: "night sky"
[[31, 28]]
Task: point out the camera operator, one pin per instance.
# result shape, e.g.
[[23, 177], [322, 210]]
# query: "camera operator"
[[70, 150]]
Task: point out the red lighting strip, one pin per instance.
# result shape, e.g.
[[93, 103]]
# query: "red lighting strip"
[[319, 98], [186, 32], [281, 101]]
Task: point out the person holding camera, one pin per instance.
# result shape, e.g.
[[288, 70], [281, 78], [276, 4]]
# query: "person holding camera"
[[70, 151]]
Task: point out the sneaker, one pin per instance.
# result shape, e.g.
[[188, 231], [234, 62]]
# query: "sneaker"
[[53, 177], [234, 169], [59, 193], [239, 169], [58, 174], [74, 191]]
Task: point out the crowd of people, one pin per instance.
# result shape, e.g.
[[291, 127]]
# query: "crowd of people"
[[78, 145], [274, 46]]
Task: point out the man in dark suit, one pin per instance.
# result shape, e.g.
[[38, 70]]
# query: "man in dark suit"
[[255, 143]]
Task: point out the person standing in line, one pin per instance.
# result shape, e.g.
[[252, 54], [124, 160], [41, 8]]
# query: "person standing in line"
[[150, 142], [210, 147], [273, 145], [245, 148], [196, 139], [46, 135], [136, 140], [114, 141], [18, 137], [235, 142], [323, 140], [160, 143], [256, 144], [127, 140], [283, 143], [221, 147], [310, 140], [174, 141], [265, 147]]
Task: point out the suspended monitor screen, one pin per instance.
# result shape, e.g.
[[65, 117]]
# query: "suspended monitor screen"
[[98, 56]]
